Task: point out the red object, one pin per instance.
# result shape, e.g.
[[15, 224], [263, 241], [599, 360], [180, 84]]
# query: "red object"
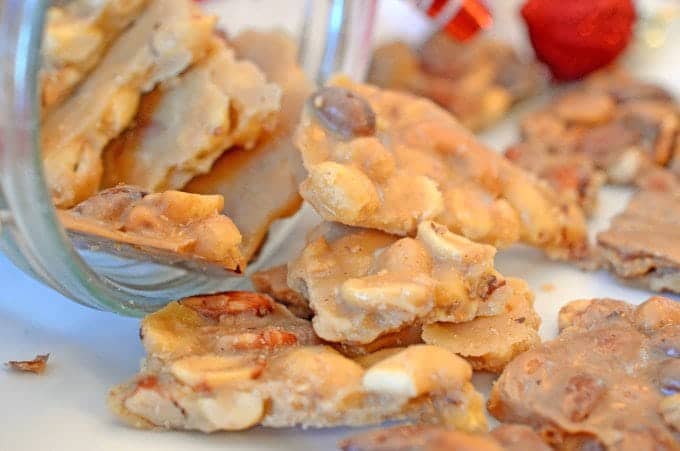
[[460, 19], [576, 37]]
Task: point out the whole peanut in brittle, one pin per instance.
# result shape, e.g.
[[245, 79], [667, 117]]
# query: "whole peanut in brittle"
[[363, 284], [166, 39], [184, 126], [420, 164], [608, 381], [234, 360]]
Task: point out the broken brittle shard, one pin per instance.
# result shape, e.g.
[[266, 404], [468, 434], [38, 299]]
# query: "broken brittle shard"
[[608, 381], [388, 161], [234, 360], [167, 227], [364, 284]]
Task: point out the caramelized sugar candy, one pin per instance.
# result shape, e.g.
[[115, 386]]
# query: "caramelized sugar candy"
[[489, 343], [75, 133], [506, 437], [77, 35], [185, 125], [609, 124], [363, 284], [235, 360], [608, 381], [641, 243], [35, 366], [260, 185], [166, 226], [419, 165], [477, 81]]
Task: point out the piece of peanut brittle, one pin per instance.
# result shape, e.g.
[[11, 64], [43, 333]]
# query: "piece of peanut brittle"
[[184, 125], [76, 38], [169, 225], [625, 127], [363, 284], [477, 81], [35, 366], [491, 342], [608, 381], [234, 360], [506, 437], [641, 243], [260, 185], [166, 39], [388, 161]]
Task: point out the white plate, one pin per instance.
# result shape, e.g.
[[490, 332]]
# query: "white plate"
[[91, 351]]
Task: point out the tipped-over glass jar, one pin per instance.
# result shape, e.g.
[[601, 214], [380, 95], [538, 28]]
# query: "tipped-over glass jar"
[[332, 36]]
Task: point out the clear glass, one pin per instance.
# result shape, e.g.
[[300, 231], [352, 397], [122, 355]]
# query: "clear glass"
[[334, 36]]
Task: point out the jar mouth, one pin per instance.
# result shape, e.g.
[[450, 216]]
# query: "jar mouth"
[[30, 232]]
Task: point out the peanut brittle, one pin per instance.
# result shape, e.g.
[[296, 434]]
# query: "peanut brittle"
[[166, 39], [506, 437], [641, 244], [260, 185], [388, 161], [274, 283], [185, 125], [477, 81], [609, 381], [490, 342], [625, 127], [76, 37], [172, 223], [572, 175], [35, 366], [363, 284], [235, 360]]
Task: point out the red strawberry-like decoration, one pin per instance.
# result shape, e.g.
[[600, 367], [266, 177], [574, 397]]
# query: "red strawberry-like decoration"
[[577, 37]]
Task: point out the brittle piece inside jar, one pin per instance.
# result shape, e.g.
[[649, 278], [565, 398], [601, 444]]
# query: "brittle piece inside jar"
[[363, 284], [642, 243], [477, 81], [184, 125], [172, 226], [491, 342], [609, 381], [388, 161], [506, 437], [260, 185], [166, 39], [77, 35], [235, 360]]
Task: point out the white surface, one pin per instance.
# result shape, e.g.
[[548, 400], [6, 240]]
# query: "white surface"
[[91, 351]]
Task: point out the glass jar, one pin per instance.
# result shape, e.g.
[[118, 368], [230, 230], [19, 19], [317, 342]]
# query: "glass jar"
[[333, 36]]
